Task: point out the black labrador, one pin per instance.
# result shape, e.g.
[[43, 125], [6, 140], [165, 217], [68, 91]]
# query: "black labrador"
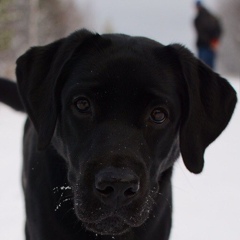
[[108, 117]]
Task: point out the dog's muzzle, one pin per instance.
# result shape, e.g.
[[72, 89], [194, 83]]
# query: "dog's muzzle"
[[114, 201]]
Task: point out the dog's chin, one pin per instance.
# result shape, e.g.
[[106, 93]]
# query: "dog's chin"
[[101, 219], [108, 226]]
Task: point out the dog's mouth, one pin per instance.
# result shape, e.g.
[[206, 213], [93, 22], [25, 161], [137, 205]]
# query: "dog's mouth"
[[114, 222]]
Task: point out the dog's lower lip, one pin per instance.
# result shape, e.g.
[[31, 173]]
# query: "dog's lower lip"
[[114, 216], [104, 217], [108, 226]]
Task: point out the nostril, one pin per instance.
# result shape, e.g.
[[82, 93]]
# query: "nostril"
[[106, 191], [130, 192]]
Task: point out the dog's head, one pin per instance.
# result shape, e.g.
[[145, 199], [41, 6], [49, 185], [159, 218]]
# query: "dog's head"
[[119, 110]]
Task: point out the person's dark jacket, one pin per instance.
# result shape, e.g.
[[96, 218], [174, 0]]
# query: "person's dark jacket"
[[208, 28]]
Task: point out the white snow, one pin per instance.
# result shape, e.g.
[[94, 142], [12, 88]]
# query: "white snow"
[[11, 197]]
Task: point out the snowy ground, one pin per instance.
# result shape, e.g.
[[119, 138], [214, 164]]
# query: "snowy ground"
[[206, 206]]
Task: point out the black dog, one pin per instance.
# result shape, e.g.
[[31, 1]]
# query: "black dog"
[[110, 115]]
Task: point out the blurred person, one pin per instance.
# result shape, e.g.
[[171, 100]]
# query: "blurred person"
[[209, 31]]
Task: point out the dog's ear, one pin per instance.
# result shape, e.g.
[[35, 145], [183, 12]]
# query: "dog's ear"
[[37, 73], [211, 101]]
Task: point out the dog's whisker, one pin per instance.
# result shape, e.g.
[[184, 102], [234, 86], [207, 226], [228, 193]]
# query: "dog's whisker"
[[71, 209], [62, 188], [62, 200], [162, 195], [63, 197], [61, 203]]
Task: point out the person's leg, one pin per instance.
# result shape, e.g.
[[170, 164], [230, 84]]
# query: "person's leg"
[[207, 56]]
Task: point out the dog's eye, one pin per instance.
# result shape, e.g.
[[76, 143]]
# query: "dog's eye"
[[159, 115], [82, 105]]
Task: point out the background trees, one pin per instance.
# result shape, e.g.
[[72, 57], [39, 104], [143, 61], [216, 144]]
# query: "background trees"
[[24, 23]]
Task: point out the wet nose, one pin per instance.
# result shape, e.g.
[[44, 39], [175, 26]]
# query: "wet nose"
[[116, 186]]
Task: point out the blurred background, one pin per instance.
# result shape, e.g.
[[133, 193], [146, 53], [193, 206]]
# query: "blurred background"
[[24, 23], [207, 206]]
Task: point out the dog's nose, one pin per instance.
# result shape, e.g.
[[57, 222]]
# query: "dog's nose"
[[116, 185]]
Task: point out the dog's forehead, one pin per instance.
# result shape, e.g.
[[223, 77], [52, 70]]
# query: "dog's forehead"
[[123, 67]]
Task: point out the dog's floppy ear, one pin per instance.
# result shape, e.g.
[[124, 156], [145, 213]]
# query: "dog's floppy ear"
[[211, 101], [37, 73]]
